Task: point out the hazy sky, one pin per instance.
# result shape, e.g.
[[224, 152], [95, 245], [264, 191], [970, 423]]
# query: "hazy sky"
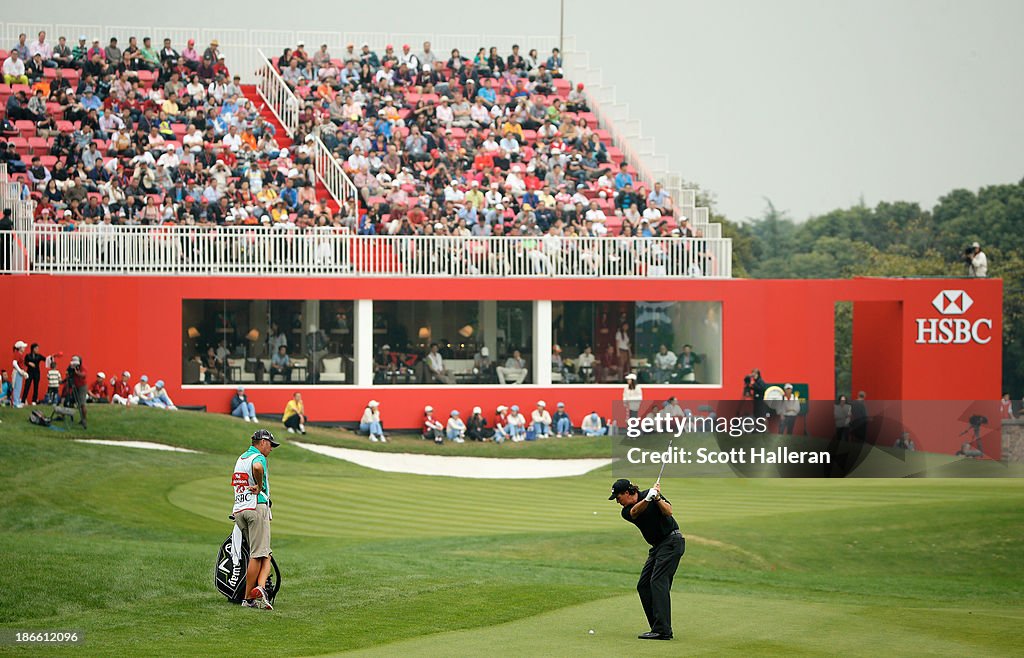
[[813, 104]]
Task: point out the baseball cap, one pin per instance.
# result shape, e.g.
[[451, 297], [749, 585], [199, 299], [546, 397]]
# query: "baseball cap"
[[631, 376], [159, 383], [144, 378], [477, 410], [20, 344], [484, 351], [788, 387], [561, 405], [427, 409], [241, 389], [385, 347], [455, 412], [373, 403], [101, 374], [620, 486], [541, 403], [259, 435], [501, 408]]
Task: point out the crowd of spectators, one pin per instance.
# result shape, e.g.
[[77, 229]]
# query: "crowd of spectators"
[[508, 423], [445, 144], [147, 135], [497, 144]]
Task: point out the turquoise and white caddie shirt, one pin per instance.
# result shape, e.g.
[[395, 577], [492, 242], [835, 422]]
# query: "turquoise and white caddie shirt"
[[242, 479]]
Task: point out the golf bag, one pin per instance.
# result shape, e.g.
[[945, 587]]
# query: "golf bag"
[[231, 565]]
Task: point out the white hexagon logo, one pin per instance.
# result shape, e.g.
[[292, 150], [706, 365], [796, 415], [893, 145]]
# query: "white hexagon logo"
[[952, 302]]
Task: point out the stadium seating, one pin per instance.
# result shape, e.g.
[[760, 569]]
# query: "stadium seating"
[[135, 164]]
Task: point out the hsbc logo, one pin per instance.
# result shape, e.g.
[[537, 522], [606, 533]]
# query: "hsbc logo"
[[953, 331], [952, 302]]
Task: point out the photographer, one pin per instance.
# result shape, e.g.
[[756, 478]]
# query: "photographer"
[[77, 387], [977, 261]]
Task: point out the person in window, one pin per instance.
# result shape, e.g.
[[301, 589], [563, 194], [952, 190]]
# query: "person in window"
[[623, 347], [514, 371], [434, 370]]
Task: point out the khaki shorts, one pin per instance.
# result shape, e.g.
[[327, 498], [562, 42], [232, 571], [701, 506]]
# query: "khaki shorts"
[[255, 524]]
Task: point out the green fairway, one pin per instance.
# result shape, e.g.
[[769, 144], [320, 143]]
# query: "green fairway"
[[120, 543]]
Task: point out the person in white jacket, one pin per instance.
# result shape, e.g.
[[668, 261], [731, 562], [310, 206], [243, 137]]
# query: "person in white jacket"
[[515, 424], [541, 420], [456, 429], [789, 409], [592, 426], [143, 391], [632, 395], [370, 422]]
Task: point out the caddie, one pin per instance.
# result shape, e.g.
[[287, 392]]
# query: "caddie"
[[251, 483]]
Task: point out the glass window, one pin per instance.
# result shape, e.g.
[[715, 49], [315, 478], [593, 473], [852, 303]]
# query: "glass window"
[[449, 342], [256, 342], [675, 343]]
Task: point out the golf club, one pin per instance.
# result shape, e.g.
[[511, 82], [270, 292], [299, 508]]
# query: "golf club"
[[663, 463]]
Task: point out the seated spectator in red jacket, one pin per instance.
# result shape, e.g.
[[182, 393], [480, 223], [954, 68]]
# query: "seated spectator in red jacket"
[[99, 392]]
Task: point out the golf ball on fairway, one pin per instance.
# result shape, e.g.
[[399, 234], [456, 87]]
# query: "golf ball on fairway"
[[595, 513], [590, 632]]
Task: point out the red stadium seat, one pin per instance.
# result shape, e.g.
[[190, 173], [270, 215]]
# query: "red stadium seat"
[[48, 161], [38, 145], [25, 128]]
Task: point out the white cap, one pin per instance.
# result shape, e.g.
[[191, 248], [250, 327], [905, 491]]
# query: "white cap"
[[788, 387], [484, 351], [385, 347], [477, 410], [126, 374], [438, 226], [283, 153], [976, 245], [541, 403], [101, 374], [630, 376], [427, 409], [373, 403], [501, 408], [20, 344]]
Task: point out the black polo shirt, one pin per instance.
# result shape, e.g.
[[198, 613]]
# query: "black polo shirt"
[[653, 525]]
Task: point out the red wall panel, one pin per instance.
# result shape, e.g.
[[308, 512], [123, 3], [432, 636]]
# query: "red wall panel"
[[783, 327]]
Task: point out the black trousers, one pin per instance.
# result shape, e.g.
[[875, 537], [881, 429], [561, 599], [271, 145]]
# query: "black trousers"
[[33, 381], [655, 584]]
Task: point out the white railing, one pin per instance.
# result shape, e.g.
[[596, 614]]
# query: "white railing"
[[334, 178], [285, 105], [269, 251], [276, 94]]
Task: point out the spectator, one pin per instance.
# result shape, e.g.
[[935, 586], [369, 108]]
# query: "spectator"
[[664, 365], [842, 413], [99, 392], [33, 366], [77, 379], [632, 396], [515, 424], [789, 409], [1006, 407], [6, 390], [977, 261], [585, 365], [541, 421], [433, 368], [623, 348], [14, 69], [160, 398], [686, 362], [562, 422], [144, 393], [370, 423], [123, 391], [905, 442], [483, 366], [433, 429], [592, 425], [294, 417], [514, 371], [456, 428], [241, 407], [859, 418], [476, 427], [53, 381], [20, 373]]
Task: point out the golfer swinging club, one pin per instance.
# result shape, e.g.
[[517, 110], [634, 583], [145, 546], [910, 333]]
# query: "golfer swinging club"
[[652, 514], [251, 482]]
